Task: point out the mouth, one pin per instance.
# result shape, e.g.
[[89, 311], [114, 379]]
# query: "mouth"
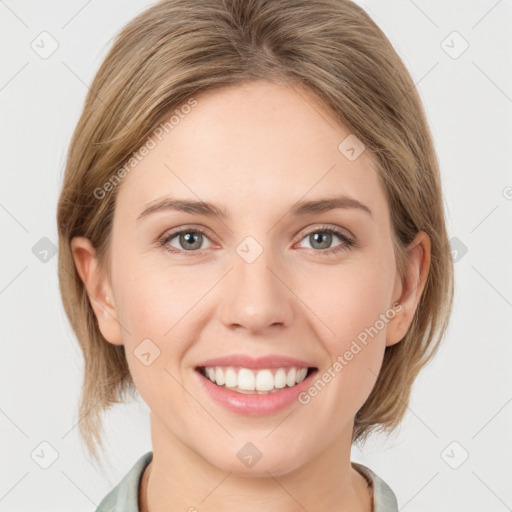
[[256, 381]]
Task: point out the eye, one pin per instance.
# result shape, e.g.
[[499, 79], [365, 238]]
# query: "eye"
[[322, 238], [188, 240]]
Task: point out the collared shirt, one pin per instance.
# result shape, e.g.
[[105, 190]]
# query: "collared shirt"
[[124, 497]]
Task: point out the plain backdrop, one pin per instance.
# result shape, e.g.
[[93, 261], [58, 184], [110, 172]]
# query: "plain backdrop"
[[453, 451]]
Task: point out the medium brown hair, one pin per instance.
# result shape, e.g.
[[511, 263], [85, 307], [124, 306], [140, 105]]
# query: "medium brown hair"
[[177, 49]]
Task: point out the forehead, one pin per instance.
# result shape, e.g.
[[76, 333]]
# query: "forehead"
[[253, 144]]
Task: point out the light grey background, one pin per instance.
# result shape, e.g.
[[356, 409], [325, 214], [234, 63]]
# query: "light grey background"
[[464, 396]]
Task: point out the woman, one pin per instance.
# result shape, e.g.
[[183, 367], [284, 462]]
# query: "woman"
[[252, 237]]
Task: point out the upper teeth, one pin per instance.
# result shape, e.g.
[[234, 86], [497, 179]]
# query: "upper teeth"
[[255, 380]]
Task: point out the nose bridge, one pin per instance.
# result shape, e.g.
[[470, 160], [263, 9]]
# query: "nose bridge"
[[255, 295]]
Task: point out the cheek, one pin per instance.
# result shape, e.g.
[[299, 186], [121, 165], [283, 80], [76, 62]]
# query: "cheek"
[[152, 299], [153, 314], [356, 306], [353, 312], [355, 298]]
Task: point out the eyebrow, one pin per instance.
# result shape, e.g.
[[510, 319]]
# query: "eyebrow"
[[211, 210]]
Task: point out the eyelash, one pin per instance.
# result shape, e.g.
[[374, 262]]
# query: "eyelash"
[[347, 244]]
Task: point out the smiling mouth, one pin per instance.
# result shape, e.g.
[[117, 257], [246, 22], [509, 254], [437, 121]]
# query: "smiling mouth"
[[256, 381]]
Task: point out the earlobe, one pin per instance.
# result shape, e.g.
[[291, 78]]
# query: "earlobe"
[[410, 290], [98, 289]]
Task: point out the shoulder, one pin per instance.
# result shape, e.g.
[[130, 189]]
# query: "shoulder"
[[124, 496], [384, 499]]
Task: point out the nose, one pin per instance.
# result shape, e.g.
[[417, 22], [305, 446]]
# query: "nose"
[[256, 296]]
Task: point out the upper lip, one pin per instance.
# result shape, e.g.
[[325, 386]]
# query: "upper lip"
[[246, 361]]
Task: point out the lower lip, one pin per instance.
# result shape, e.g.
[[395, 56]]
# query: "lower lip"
[[255, 404]]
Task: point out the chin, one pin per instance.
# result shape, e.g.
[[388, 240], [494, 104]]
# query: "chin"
[[248, 462]]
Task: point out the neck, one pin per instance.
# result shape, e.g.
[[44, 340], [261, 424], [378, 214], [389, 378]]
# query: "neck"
[[178, 479]]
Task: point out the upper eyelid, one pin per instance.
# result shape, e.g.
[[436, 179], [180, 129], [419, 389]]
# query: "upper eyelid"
[[312, 229]]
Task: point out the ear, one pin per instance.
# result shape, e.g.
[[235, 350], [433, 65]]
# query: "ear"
[[408, 293], [98, 289]]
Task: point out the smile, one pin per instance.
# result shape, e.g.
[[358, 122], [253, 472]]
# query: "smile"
[[255, 381]]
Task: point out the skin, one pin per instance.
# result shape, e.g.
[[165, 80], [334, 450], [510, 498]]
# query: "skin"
[[255, 150]]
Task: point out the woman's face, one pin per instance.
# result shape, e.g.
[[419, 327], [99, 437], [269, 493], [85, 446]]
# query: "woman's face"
[[265, 279]]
